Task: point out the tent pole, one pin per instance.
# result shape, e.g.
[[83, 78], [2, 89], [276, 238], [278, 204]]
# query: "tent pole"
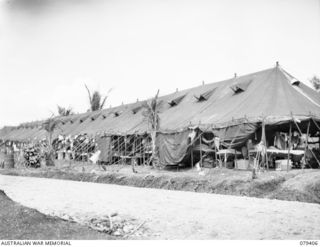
[[143, 152], [215, 151], [125, 145], [192, 155], [306, 146], [289, 146], [133, 154], [118, 144], [200, 152], [265, 140]]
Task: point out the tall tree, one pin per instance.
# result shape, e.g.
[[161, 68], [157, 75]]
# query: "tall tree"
[[152, 115], [96, 100], [315, 81], [50, 125], [63, 111]]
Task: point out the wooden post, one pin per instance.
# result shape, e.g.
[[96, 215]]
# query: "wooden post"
[[215, 150], [289, 146], [125, 145], [225, 159], [264, 141], [200, 152], [265, 144], [133, 157], [235, 159], [192, 154], [144, 150], [306, 146], [118, 147]]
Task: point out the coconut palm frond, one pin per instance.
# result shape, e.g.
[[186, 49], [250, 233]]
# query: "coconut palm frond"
[[62, 111], [50, 124], [151, 112], [95, 99], [69, 111], [103, 102], [89, 94], [105, 98]]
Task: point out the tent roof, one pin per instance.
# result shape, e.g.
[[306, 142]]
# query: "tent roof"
[[271, 95]]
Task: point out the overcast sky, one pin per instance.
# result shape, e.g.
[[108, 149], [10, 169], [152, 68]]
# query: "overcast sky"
[[50, 48]]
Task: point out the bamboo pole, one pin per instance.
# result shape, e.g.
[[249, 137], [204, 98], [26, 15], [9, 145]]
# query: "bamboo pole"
[[125, 145], [265, 144], [192, 155], [144, 152], [200, 152], [289, 146], [306, 146], [216, 155]]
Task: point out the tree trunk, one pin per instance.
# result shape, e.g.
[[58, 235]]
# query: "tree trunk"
[[50, 153], [154, 155]]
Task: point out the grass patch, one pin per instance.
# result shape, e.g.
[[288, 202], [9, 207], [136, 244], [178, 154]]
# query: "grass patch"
[[295, 185], [19, 222]]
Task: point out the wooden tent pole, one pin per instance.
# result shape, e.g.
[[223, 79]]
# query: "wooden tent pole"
[[192, 154], [118, 146], [265, 143], [215, 150], [143, 151], [306, 146], [125, 145], [200, 152], [289, 146], [133, 157]]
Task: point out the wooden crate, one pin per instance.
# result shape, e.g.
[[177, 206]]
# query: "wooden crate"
[[281, 165], [242, 164]]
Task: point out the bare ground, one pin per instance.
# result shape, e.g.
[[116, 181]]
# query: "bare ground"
[[171, 214]]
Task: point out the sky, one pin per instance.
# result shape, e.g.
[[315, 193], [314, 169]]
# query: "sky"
[[50, 48]]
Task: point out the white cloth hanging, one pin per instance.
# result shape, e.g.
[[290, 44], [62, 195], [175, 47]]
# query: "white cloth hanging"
[[95, 157]]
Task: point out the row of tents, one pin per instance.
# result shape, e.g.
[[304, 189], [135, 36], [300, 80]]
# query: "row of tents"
[[232, 110]]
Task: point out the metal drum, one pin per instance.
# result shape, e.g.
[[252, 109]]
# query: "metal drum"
[[2, 158], [9, 160]]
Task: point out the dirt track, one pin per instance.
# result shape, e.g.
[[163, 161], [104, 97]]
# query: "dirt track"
[[171, 214]]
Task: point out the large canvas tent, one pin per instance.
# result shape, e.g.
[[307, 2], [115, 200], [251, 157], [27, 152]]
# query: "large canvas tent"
[[232, 109]]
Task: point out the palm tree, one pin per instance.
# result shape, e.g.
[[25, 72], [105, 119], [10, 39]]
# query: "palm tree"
[[62, 111], [315, 81], [49, 126], [95, 99], [152, 114]]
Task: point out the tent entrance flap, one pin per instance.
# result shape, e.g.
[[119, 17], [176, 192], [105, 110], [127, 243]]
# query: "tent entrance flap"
[[173, 148]]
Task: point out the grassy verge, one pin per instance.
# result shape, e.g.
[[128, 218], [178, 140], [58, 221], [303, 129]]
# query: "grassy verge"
[[295, 185], [19, 222]]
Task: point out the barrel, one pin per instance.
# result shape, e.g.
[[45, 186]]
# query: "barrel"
[[2, 158], [9, 160]]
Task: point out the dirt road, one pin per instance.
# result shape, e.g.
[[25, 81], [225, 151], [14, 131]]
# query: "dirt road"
[[171, 214]]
